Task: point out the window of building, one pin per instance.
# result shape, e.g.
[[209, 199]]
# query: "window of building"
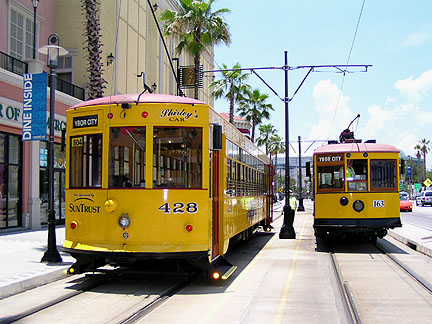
[[177, 157], [127, 157], [21, 33], [383, 174], [64, 68], [10, 180], [59, 182], [86, 161]]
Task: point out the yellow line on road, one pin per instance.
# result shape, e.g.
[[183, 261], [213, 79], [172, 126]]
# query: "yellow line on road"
[[286, 291]]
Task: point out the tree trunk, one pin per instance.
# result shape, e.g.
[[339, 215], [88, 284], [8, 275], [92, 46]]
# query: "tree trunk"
[[92, 31], [231, 111], [253, 129], [196, 72]]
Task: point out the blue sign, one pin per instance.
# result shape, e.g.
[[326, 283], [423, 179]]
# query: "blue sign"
[[409, 171], [34, 116]]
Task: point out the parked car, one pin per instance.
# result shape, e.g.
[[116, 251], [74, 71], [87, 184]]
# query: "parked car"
[[404, 194], [405, 204], [425, 198]]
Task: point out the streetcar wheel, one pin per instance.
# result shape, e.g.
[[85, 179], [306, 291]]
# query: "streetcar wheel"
[[373, 239]]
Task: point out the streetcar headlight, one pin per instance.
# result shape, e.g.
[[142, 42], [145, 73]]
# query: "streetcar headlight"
[[344, 201], [124, 220], [358, 205]]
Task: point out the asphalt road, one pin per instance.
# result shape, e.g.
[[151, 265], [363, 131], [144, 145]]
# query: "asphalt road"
[[420, 216]]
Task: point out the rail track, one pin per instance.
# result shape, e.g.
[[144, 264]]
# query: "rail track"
[[98, 285], [352, 308]]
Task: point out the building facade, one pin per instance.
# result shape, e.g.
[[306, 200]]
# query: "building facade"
[[132, 53]]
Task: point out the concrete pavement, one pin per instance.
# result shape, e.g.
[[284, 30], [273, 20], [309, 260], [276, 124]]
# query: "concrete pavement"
[[21, 253]]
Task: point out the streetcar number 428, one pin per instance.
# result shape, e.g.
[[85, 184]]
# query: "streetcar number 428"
[[179, 208], [378, 203]]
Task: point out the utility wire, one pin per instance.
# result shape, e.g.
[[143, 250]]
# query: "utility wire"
[[344, 73]]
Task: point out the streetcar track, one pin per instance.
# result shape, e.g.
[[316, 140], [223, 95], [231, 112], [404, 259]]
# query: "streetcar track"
[[86, 286], [351, 311], [158, 301], [419, 279], [96, 282], [348, 302]]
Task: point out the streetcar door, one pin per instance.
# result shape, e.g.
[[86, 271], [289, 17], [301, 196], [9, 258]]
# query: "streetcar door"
[[215, 199]]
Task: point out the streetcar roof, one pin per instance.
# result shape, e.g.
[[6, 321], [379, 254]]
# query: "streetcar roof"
[[356, 147], [143, 98]]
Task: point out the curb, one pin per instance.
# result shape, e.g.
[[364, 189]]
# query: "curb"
[[411, 243], [37, 280]]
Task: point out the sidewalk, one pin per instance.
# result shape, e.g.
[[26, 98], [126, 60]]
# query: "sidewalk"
[[21, 253]]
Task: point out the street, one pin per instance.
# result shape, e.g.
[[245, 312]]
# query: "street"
[[420, 216]]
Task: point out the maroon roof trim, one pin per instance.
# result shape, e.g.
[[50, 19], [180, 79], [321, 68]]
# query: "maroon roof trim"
[[356, 147]]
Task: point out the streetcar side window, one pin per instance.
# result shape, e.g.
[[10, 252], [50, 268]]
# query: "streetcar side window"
[[127, 157], [177, 157], [86, 161], [384, 174]]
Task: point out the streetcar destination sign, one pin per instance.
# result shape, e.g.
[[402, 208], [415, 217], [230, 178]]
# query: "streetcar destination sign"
[[85, 121], [330, 158]]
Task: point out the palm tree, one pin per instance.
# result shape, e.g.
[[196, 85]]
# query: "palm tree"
[[254, 108], [93, 42], [197, 28], [231, 87], [418, 154], [266, 132], [422, 146]]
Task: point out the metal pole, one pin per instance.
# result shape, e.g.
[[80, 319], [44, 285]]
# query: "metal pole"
[[34, 33], [300, 193], [287, 229], [51, 254]]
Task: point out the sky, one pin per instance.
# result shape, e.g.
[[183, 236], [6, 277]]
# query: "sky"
[[394, 96]]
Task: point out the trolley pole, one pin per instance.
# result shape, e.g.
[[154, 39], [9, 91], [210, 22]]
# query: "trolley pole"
[[300, 193], [287, 229]]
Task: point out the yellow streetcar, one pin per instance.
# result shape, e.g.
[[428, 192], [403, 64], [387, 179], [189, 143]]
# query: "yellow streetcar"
[[160, 177], [356, 188]]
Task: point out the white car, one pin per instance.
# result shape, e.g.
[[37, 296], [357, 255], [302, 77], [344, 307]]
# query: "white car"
[[425, 198]]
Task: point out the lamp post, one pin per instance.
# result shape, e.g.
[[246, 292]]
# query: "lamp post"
[[53, 50], [287, 229], [35, 5]]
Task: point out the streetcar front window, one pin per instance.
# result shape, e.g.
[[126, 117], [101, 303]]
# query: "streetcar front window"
[[86, 161], [177, 157], [127, 157], [357, 174], [384, 174], [330, 177]]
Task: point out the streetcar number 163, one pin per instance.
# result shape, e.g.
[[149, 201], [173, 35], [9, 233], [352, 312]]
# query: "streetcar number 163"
[[378, 203]]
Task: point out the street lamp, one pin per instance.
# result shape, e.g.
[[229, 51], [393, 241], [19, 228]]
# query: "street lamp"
[[53, 50], [35, 5]]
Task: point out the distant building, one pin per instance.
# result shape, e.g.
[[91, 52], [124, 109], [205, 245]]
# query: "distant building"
[[242, 124]]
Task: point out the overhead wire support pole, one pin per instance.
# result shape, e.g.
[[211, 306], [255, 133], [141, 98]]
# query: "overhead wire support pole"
[[274, 91], [287, 230]]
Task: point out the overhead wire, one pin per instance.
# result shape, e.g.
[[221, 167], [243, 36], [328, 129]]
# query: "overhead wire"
[[344, 73]]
